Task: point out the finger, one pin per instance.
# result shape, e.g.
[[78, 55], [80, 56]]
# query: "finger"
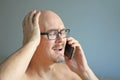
[[66, 58], [36, 18], [69, 40], [31, 17], [73, 42], [25, 20]]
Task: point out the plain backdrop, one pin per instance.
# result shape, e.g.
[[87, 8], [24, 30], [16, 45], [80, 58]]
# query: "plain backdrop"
[[94, 23]]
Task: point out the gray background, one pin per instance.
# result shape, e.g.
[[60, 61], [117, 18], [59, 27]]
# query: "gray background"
[[95, 23]]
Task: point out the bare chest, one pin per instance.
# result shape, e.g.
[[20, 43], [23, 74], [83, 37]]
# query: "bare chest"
[[63, 76], [54, 76]]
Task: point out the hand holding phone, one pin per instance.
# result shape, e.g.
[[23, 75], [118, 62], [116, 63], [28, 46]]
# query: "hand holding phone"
[[69, 51]]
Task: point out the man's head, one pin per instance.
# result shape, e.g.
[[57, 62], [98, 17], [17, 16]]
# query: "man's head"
[[51, 48]]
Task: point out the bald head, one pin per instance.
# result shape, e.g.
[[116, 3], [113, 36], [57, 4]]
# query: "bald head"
[[49, 19]]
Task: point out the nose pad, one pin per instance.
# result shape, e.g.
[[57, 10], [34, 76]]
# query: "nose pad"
[[59, 38]]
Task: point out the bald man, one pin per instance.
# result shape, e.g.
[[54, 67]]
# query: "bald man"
[[42, 55]]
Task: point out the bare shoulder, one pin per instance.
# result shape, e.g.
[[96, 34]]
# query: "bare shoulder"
[[66, 71], [30, 76], [58, 72], [25, 77]]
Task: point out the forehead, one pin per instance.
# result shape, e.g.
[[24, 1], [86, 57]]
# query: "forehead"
[[51, 20], [51, 28]]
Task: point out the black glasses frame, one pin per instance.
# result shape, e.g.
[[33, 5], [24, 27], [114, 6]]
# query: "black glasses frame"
[[59, 32]]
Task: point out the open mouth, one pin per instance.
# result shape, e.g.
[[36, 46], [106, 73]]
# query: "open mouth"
[[58, 50]]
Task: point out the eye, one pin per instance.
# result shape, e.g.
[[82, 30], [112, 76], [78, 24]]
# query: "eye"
[[53, 32], [64, 31]]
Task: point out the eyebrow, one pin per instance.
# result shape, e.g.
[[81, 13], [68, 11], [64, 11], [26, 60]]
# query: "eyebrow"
[[54, 30]]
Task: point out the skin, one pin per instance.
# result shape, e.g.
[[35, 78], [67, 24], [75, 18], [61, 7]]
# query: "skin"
[[40, 58]]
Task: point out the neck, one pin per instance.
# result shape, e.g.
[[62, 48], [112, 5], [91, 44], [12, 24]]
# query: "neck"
[[40, 65], [40, 69]]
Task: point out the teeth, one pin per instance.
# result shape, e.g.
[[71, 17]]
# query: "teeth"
[[60, 49]]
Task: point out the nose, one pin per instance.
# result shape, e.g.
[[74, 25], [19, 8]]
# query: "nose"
[[59, 38]]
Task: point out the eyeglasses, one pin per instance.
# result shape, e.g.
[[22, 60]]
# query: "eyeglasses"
[[54, 34]]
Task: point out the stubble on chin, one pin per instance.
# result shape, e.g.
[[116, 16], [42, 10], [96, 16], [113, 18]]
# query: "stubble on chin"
[[59, 59]]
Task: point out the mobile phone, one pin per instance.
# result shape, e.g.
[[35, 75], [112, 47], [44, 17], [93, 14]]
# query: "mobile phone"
[[69, 51]]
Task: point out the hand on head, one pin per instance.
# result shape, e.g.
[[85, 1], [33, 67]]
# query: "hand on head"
[[31, 29]]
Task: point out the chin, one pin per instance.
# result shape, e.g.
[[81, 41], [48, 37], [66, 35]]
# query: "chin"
[[59, 59]]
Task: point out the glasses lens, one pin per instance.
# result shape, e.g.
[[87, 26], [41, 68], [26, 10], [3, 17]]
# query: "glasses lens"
[[52, 34], [65, 33]]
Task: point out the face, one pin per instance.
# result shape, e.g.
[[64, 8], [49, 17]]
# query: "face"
[[52, 50]]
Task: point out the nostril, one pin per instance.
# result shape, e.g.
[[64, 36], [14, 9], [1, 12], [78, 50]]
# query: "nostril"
[[59, 39], [60, 49]]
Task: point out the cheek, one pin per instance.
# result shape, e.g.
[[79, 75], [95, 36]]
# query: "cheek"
[[48, 48], [48, 45]]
